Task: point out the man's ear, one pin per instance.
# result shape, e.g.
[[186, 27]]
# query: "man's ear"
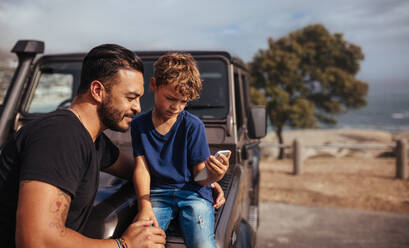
[[97, 91], [152, 84]]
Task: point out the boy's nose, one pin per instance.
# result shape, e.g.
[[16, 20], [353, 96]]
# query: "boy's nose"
[[178, 107], [175, 106]]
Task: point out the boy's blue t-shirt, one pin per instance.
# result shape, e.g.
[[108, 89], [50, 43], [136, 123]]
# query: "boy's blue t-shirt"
[[171, 157]]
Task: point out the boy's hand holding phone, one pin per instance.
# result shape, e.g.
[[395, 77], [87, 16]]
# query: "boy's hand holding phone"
[[215, 168]]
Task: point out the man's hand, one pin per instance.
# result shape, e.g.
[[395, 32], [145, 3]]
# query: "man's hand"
[[142, 234], [218, 194]]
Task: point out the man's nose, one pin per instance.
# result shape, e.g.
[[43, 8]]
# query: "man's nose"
[[136, 106]]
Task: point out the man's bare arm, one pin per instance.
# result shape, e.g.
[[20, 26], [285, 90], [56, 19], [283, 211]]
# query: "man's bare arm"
[[123, 166], [41, 215]]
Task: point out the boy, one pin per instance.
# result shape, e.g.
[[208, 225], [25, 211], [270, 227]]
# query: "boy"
[[170, 148]]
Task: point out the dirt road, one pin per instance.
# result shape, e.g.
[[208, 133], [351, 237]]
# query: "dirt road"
[[285, 226]]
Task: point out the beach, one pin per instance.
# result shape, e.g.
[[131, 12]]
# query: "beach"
[[334, 137], [347, 178]]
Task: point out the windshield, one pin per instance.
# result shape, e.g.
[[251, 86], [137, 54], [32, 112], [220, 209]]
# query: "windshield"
[[56, 84]]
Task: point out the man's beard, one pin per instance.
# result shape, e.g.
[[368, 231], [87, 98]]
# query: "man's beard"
[[110, 116]]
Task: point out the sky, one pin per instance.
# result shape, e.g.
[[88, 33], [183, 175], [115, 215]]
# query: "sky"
[[241, 27]]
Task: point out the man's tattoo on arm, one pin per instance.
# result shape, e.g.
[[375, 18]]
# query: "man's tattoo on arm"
[[59, 208]]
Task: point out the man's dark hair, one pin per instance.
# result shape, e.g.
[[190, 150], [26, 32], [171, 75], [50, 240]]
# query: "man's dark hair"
[[103, 62]]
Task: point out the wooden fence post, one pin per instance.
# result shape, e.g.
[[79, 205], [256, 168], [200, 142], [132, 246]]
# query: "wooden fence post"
[[297, 157], [401, 159]]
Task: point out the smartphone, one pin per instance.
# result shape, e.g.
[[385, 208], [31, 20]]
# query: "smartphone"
[[204, 173], [224, 152]]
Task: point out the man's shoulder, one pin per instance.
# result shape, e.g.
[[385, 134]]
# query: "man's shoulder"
[[57, 117], [55, 124]]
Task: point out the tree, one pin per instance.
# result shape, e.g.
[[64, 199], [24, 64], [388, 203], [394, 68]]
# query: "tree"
[[307, 77]]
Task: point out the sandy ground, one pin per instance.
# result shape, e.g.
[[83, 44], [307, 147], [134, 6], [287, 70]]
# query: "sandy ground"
[[347, 182], [327, 206]]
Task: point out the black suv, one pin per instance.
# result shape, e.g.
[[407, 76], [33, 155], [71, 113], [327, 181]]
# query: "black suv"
[[44, 83]]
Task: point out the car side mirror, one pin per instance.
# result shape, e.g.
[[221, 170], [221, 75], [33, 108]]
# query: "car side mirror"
[[257, 122]]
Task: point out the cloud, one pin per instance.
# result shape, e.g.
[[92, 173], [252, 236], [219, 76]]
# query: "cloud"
[[241, 27]]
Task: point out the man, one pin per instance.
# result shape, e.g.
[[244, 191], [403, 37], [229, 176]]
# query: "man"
[[49, 169]]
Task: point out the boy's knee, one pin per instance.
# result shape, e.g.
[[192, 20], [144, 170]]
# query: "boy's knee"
[[201, 205]]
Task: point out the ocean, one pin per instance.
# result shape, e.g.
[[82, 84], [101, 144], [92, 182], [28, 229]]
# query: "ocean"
[[387, 109]]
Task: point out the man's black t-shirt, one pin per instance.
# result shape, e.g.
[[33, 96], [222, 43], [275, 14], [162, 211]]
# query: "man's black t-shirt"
[[58, 150]]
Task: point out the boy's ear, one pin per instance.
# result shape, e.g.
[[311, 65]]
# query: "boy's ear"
[[152, 84], [97, 90]]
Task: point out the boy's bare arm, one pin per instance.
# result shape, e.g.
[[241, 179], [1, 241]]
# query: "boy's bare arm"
[[142, 181]]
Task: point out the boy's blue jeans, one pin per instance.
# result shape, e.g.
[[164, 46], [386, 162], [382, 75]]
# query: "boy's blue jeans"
[[195, 215]]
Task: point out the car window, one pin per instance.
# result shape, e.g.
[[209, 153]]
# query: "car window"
[[55, 85], [52, 90]]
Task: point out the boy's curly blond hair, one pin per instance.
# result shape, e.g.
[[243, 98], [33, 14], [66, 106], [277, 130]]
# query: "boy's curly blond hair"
[[181, 70]]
